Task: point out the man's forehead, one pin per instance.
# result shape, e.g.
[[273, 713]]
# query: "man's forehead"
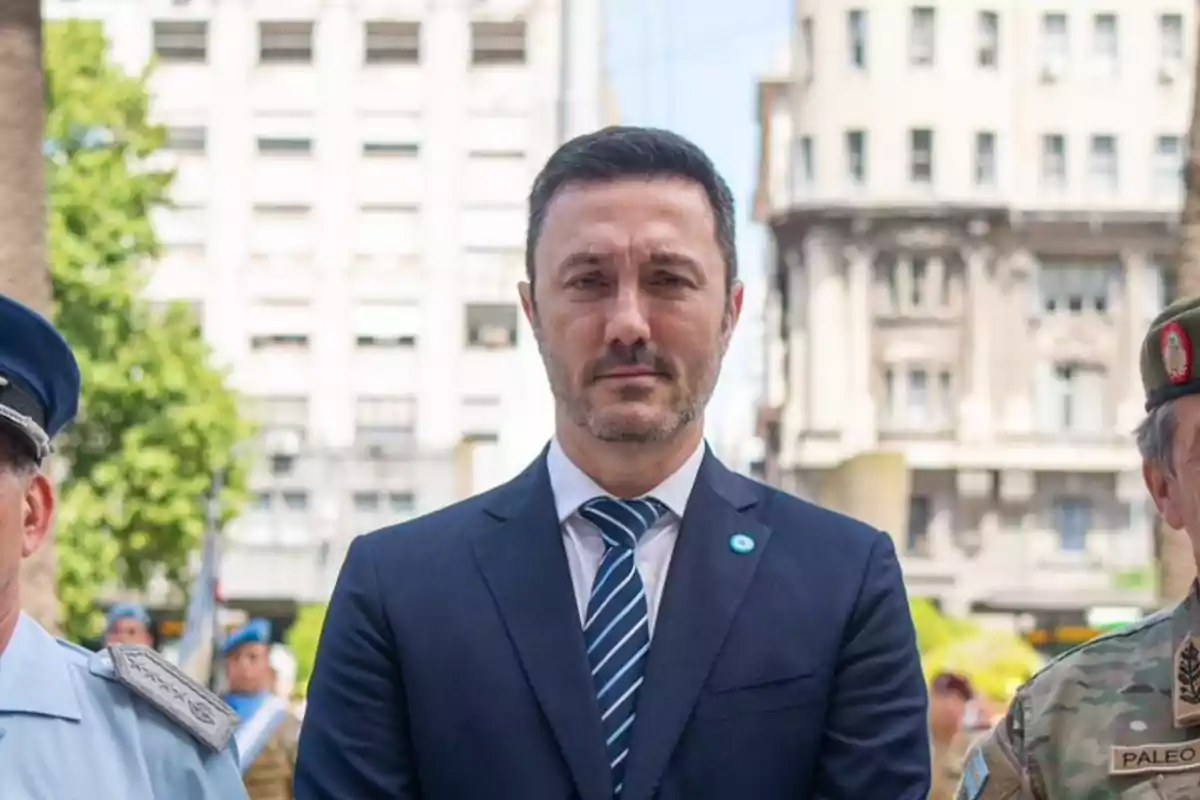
[[620, 203]]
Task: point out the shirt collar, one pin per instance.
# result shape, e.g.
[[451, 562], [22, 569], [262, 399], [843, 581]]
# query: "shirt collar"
[[572, 487], [35, 677]]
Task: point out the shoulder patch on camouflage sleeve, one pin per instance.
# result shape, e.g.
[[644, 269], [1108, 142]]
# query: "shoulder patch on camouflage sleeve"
[[975, 774], [169, 689]]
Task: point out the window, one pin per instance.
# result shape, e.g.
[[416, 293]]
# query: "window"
[[497, 43], [391, 42], [807, 45], [1072, 521], [946, 396], [988, 51], [366, 502], [181, 42], [481, 417], [279, 341], [190, 139], [1076, 399], [1076, 288], [1055, 45], [891, 402], [920, 150], [385, 425], [919, 516], [1168, 286], [985, 159], [386, 325], [370, 502], [285, 42], [1160, 286], [283, 430], [492, 326], [856, 157], [388, 230], [922, 37], [390, 149], [1168, 166], [1105, 45], [856, 24], [1103, 166], [283, 146], [1054, 161], [1170, 41], [805, 166], [917, 405], [919, 270], [295, 500]]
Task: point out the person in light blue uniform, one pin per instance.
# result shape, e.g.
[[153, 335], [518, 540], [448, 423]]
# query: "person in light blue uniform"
[[267, 733], [128, 623], [77, 725]]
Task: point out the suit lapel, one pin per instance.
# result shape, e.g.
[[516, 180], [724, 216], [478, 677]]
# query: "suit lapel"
[[522, 559], [705, 585]]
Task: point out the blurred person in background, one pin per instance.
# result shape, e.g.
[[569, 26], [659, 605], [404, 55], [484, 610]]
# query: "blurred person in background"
[[1119, 717], [121, 723], [267, 731], [128, 623], [950, 701], [501, 647]]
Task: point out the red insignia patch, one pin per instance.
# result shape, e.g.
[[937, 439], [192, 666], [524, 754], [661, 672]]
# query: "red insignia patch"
[[1176, 353]]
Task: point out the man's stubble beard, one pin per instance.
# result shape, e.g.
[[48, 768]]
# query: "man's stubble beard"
[[685, 407]]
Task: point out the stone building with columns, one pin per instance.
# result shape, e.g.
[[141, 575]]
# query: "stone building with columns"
[[966, 247]]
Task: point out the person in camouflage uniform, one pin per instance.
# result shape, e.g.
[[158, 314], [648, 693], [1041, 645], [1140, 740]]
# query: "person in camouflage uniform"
[[1118, 718]]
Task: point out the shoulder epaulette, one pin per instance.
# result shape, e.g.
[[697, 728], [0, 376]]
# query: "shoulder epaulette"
[[169, 689]]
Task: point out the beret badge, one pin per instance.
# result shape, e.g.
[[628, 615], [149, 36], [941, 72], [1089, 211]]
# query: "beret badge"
[[1176, 353]]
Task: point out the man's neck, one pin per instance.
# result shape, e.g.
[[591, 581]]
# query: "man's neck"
[[10, 612], [628, 469]]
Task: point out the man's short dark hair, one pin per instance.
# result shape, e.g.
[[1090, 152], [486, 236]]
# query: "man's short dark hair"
[[622, 152], [16, 454]]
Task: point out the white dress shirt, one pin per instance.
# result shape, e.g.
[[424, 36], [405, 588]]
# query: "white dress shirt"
[[583, 542]]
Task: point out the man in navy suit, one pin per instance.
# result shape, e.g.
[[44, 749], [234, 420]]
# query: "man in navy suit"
[[627, 618]]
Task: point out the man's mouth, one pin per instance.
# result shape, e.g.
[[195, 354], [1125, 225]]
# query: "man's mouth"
[[629, 372]]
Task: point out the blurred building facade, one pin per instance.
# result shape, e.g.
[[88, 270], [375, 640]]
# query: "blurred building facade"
[[972, 210], [349, 226]]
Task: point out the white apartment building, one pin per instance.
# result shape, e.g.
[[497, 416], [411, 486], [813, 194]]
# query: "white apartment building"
[[349, 223], [973, 207]]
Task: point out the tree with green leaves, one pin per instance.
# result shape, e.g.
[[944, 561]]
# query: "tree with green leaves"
[[302, 639], [157, 420]]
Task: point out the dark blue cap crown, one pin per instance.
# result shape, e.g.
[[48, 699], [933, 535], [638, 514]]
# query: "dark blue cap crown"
[[39, 376]]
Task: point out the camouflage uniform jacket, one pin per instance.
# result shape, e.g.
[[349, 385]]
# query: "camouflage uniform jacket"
[[1117, 718], [270, 776]]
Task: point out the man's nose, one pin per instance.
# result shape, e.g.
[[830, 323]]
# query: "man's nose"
[[627, 319]]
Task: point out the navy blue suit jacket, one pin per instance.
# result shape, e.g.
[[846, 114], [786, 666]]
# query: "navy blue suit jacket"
[[452, 662]]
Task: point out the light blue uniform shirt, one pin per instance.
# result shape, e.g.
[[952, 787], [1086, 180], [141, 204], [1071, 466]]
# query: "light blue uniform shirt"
[[70, 731]]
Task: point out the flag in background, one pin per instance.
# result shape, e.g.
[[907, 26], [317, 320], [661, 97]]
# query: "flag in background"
[[198, 647]]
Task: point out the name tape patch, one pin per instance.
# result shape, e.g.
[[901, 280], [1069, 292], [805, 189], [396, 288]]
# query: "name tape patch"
[[1179, 757]]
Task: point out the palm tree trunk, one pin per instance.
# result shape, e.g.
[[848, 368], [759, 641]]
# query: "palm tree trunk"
[[1173, 549], [24, 271]]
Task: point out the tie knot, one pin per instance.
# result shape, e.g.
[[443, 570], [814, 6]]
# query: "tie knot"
[[622, 522]]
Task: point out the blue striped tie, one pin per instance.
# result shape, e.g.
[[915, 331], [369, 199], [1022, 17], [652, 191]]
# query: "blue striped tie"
[[616, 629]]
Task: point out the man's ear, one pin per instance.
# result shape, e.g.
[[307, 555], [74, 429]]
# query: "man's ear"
[[1164, 491], [38, 513], [528, 304]]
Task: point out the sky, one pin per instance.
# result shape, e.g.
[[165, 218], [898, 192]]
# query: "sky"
[[692, 66]]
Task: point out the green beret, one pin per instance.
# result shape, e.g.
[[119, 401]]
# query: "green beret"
[[1168, 362]]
